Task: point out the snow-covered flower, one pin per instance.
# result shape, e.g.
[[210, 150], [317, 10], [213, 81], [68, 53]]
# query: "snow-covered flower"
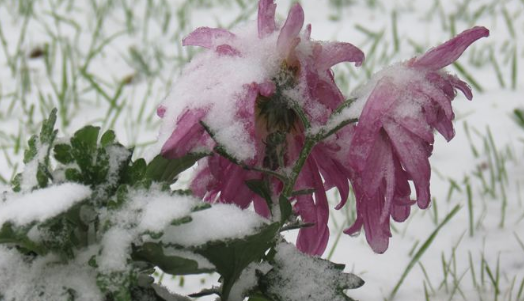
[[394, 135], [244, 89]]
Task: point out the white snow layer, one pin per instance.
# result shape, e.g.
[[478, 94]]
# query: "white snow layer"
[[145, 212], [45, 279], [220, 222], [247, 280], [41, 204], [305, 278]]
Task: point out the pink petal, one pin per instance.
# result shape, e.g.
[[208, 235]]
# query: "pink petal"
[[379, 174], [335, 52], [355, 228], [377, 233], [462, 86], [267, 88], [445, 127], [413, 154], [313, 240], [401, 204], [199, 184], [227, 50], [331, 172], [418, 127], [369, 125], [186, 135], [266, 18], [451, 50], [437, 78], [368, 216], [439, 97], [261, 207], [328, 94], [307, 32], [289, 32], [206, 37], [233, 188]]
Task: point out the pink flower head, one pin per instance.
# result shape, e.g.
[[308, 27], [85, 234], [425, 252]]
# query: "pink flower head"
[[243, 88], [394, 136]]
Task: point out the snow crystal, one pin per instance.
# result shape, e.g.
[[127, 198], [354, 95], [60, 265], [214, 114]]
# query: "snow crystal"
[[41, 204], [220, 222], [162, 210], [301, 277], [247, 280], [116, 245], [145, 211], [45, 279]]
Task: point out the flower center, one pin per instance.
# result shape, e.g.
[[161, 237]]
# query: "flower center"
[[275, 119]]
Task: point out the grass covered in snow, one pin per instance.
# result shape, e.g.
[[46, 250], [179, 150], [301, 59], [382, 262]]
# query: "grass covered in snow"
[[110, 62]]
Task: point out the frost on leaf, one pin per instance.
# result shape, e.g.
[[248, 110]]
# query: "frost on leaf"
[[296, 276]]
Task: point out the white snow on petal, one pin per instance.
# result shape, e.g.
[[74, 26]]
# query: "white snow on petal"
[[218, 83]]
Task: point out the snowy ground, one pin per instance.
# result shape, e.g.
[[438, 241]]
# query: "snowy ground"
[[109, 62]]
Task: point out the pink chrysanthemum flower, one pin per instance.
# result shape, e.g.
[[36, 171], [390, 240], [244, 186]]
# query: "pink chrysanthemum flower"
[[394, 136], [244, 89]]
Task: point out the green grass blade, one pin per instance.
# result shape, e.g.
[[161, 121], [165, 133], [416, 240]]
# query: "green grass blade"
[[422, 250]]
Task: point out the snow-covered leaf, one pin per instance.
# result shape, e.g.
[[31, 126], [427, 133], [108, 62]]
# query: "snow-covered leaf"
[[231, 257], [175, 265], [296, 276]]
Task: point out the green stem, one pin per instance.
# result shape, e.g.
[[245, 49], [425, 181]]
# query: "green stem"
[[304, 154]]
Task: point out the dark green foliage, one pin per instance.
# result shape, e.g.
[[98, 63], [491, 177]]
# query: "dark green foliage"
[[101, 163], [232, 257], [153, 253], [270, 284]]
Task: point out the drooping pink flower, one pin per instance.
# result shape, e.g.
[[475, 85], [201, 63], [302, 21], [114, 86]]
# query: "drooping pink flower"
[[243, 89], [394, 135]]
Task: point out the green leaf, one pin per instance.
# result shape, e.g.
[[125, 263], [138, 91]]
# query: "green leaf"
[[166, 170], [232, 257], [62, 153], [16, 183], [48, 133], [73, 175], [115, 285], [175, 265], [108, 138], [181, 221], [261, 188], [86, 138], [31, 151], [42, 175], [135, 172], [18, 236], [84, 146]]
